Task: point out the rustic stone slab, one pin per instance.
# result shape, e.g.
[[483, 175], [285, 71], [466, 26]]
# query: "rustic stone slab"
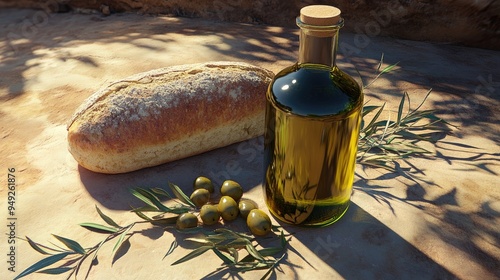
[[441, 223]]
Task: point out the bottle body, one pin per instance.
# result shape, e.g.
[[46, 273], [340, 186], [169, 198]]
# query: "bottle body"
[[313, 116]]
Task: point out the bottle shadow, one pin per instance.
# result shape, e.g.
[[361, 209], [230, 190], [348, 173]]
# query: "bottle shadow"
[[359, 246]]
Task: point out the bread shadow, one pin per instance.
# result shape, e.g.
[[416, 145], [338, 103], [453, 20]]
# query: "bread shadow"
[[242, 162]]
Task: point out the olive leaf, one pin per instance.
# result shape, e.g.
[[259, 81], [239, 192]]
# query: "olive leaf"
[[180, 195], [423, 101], [388, 68], [380, 62], [149, 198], [42, 263], [270, 251], [71, 244], [171, 249], [107, 219], [98, 228], [223, 257], [401, 106], [283, 240], [180, 210], [36, 247], [232, 234], [142, 216], [146, 208], [199, 240], [154, 204], [234, 253], [216, 238], [385, 70], [273, 266], [119, 243], [162, 192], [196, 252], [371, 127], [368, 109], [252, 251], [164, 221]]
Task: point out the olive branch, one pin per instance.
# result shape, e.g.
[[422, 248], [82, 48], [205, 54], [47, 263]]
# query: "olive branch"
[[225, 243], [382, 142]]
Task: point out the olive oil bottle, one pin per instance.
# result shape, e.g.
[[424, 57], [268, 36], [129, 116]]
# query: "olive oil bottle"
[[313, 116]]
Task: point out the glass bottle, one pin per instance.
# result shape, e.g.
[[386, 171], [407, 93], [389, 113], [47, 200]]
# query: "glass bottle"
[[313, 116]]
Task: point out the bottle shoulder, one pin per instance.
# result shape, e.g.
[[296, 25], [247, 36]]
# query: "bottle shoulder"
[[315, 90]]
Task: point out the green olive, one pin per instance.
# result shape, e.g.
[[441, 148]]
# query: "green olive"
[[259, 222], [228, 208], [186, 220], [232, 189], [203, 183], [209, 214], [245, 206], [200, 197]]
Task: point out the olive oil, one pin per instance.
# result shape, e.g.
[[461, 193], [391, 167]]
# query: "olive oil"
[[313, 115]]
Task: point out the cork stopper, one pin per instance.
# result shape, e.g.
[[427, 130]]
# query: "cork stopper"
[[320, 15]]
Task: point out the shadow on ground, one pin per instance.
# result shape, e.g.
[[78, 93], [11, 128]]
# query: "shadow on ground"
[[359, 240], [33, 33], [360, 247], [460, 76]]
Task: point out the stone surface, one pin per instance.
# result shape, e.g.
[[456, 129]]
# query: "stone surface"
[[472, 23], [443, 223]]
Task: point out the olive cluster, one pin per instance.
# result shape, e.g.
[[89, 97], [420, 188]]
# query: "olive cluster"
[[229, 207]]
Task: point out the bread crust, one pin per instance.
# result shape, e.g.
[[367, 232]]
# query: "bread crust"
[[167, 114]]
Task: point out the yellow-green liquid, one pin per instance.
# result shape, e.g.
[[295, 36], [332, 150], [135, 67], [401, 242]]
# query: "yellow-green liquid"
[[312, 126]]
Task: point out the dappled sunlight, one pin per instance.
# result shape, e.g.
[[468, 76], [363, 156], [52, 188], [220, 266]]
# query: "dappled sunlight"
[[153, 41], [435, 215]]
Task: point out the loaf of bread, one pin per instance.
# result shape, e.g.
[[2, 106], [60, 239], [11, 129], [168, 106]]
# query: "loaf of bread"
[[168, 114]]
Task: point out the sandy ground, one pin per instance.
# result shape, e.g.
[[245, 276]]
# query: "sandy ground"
[[442, 224]]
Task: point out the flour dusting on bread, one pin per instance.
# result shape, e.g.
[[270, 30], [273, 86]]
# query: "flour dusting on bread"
[[161, 115]]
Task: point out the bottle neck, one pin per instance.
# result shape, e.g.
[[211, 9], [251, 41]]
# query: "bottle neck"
[[318, 45]]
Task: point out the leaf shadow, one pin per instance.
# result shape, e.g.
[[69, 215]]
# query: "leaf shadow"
[[152, 233], [124, 248], [228, 273], [223, 273], [462, 230]]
